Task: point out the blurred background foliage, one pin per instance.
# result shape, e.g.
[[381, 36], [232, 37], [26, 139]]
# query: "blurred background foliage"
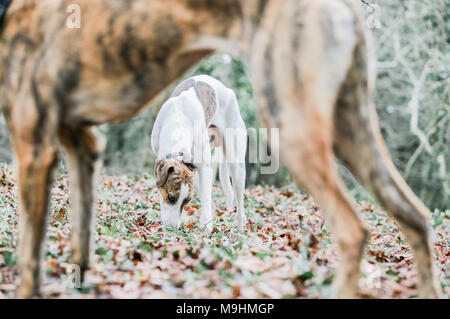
[[412, 43]]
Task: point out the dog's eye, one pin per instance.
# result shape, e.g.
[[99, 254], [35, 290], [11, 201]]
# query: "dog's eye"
[[171, 198]]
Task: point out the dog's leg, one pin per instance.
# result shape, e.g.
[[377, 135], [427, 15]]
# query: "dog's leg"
[[359, 144], [308, 155], [238, 178], [83, 148], [297, 90], [217, 141], [235, 147], [225, 181], [36, 155], [198, 189], [366, 157], [311, 163], [205, 185]]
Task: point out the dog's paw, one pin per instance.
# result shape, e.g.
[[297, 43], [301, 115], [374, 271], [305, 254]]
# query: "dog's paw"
[[229, 204], [206, 223], [241, 222], [207, 227]]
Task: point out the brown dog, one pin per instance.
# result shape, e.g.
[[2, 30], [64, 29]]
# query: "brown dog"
[[310, 67]]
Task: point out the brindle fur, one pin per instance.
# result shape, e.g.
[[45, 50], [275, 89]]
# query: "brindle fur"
[[170, 174], [207, 98], [205, 94], [311, 74]]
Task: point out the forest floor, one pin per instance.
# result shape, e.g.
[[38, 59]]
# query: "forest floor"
[[285, 252]]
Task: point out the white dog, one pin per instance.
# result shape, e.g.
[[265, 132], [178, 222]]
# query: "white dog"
[[200, 113]]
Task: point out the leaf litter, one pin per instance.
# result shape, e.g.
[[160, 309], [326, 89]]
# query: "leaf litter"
[[285, 251]]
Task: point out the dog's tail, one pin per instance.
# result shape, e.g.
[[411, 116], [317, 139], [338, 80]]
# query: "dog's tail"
[[359, 144]]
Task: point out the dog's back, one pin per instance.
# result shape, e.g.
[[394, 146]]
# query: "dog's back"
[[205, 91]]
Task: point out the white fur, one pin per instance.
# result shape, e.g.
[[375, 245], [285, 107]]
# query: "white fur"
[[172, 213], [173, 131]]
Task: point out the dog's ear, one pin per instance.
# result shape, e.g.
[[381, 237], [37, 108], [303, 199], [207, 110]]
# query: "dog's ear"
[[191, 166], [162, 171]]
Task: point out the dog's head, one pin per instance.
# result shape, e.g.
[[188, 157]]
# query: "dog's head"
[[175, 182]]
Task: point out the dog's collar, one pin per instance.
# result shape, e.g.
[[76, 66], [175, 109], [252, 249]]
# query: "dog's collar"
[[185, 158]]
